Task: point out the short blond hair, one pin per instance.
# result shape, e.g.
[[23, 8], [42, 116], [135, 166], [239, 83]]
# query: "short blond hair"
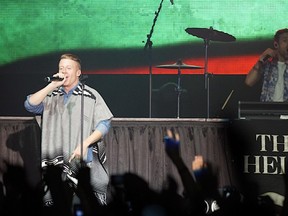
[[72, 57]]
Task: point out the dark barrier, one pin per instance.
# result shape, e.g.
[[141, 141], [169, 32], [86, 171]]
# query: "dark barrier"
[[259, 148]]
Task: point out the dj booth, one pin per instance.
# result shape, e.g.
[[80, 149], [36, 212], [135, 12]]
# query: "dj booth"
[[260, 146]]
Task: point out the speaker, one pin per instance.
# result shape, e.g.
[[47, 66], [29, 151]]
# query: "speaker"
[[262, 110]]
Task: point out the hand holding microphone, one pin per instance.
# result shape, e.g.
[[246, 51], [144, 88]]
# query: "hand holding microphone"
[[56, 77], [52, 78], [267, 54]]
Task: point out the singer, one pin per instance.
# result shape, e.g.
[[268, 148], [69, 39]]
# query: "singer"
[[273, 70], [59, 103]]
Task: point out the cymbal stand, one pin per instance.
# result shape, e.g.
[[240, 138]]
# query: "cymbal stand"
[[207, 77], [149, 44]]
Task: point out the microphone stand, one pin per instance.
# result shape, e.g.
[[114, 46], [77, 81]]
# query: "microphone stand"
[[83, 78], [178, 88], [149, 44]]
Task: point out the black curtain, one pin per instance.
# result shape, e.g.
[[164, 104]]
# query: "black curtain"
[[132, 145]]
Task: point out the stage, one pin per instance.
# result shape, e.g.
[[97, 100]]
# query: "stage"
[[132, 145], [235, 148]]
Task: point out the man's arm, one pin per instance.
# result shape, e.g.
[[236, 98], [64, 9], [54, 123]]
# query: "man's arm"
[[38, 97], [100, 131], [255, 74]]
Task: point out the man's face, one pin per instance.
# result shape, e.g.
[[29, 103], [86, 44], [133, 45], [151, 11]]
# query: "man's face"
[[282, 47], [70, 70]]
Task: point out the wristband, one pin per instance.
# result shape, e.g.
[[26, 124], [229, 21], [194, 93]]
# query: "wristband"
[[259, 63]]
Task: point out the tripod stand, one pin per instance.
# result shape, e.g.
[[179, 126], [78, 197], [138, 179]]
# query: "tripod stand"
[[209, 35], [179, 65]]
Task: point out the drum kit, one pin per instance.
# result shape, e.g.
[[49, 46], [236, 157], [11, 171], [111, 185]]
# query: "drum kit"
[[207, 34]]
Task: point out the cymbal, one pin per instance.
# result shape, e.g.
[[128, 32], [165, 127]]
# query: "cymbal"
[[179, 65], [210, 34]]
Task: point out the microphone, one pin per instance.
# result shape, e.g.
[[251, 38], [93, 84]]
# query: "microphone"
[[50, 79], [266, 58]]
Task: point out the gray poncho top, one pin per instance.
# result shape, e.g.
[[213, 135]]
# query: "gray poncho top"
[[61, 133]]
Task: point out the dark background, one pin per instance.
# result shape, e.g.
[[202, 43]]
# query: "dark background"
[[128, 95]]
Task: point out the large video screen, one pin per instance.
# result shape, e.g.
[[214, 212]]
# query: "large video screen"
[[129, 36]]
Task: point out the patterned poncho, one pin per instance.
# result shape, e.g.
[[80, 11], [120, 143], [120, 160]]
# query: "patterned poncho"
[[61, 133]]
